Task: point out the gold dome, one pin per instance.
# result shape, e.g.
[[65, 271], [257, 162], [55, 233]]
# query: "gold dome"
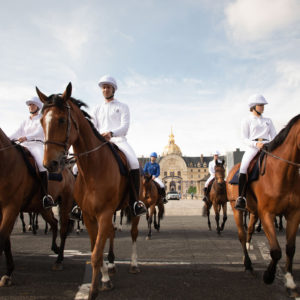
[[171, 148]]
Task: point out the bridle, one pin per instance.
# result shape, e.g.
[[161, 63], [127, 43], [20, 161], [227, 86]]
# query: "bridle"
[[65, 144]]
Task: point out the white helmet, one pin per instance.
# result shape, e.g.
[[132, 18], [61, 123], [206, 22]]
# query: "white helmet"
[[256, 99], [36, 101], [107, 79], [217, 152]]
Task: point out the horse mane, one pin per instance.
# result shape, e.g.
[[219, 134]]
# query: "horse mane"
[[281, 136], [57, 101]]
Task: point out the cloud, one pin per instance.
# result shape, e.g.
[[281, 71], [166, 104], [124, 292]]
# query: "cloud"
[[251, 20]]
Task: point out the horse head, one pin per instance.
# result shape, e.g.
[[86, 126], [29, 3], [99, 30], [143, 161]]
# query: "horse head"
[[220, 172], [57, 125]]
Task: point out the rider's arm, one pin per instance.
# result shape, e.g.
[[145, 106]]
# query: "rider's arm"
[[125, 120], [246, 133]]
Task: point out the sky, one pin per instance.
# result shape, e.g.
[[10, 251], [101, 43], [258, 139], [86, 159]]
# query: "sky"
[[185, 65]]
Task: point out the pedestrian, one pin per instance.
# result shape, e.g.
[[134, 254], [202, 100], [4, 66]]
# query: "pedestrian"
[[152, 167], [30, 133], [256, 131]]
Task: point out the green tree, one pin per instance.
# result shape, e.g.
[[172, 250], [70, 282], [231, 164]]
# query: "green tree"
[[192, 189]]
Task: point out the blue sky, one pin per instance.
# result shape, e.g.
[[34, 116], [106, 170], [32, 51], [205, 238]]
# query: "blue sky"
[[190, 65]]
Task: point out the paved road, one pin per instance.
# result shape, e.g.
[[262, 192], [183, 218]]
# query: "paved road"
[[183, 261]]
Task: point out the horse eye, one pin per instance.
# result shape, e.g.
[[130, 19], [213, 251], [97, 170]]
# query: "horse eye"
[[61, 120]]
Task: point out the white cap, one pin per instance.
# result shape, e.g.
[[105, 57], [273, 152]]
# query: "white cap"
[[256, 99], [107, 79], [36, 101], [217, 152]]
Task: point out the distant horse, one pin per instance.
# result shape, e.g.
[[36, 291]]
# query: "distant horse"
[[217, 197], [151, 197], [20, 190], [277, 191], [100, 188]]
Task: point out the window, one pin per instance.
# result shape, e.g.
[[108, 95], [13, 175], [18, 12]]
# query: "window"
[[165, 173], [179, 173], [172, 174]]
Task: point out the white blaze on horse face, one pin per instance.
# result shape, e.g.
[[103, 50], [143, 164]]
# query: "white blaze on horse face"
[[290, 283], [134, 255], [48, 119]]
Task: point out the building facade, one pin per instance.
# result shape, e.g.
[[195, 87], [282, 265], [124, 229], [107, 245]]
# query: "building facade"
[[182, 173]]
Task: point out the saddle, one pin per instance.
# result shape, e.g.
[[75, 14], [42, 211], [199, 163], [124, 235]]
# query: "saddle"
[[253, 169], [29, 161]]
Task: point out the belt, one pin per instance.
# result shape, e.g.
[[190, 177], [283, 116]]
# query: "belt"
[[260, 140]]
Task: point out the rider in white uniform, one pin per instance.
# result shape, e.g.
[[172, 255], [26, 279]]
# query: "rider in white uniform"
[[111, 118], [211, 169], [256, 131], [30, 134]]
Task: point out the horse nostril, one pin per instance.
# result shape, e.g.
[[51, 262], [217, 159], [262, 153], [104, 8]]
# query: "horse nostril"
[[53, 166]]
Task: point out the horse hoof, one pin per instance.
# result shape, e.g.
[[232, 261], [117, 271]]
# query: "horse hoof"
[[112, 271], [148, 238], [268, 277], [57, 267], [77, 231], [5, 281], [292, 293], [93, 295], [106, 286], [134, 270]]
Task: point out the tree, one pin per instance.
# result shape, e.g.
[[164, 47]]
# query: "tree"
[[192, 189]]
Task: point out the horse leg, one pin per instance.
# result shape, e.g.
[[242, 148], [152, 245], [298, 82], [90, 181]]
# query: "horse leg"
[[267, 220], [49, 217], [238, 217], [105, 229], [23, 223], [208, 217], [224, 207], [280, 222], [152, 208], [155, 224], [245, 219], [114, 220], [134, 269], [30, 227], [251, 228], [111, 255], [291, 233], [121, 220], [217, 216], [6, 280], [34, 216], [258, 228]]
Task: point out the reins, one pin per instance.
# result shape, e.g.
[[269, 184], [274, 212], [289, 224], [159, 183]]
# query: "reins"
[[16, 145], [277, 157]]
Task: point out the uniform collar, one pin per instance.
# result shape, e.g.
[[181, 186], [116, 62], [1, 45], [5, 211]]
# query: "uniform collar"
[[35, 117], [111, 102]]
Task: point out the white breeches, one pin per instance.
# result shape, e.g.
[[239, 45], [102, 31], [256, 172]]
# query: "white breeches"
[[37, 151], [121, 142], [160, 183], [247, 157], [211, 177]]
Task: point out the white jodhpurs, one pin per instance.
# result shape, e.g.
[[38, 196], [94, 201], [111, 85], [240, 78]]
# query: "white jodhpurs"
[[211, 177], [121, 142], [37, 151], [247, 157], [160, 183]]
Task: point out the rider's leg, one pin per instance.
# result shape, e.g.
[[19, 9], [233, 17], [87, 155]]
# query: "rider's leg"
[[47, 199], [241, 200]]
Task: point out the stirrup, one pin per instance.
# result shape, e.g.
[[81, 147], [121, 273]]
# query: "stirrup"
[[139, 208], [75, 214], [240, 203], [48, 201]]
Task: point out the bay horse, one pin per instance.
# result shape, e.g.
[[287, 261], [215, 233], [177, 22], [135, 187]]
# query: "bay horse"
[[100, 188], [277, 191], [20, 190], [151, 198], [218, 197]]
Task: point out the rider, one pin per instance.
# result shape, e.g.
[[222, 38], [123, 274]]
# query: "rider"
[[211, 169], [112, 119], [256, 131], [30, 134], [152, 167]]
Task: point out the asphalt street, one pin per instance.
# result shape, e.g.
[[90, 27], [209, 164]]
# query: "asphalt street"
[[183, 261]]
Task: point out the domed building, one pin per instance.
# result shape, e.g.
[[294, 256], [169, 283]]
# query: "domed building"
[[180, 173]]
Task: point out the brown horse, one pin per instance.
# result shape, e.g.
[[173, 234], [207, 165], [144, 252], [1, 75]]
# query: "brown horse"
[[100, 189], [151, 197], [218, 197], [277, 191], [20, 190]]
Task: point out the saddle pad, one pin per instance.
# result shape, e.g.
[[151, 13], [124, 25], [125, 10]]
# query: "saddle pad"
[[115, 150]]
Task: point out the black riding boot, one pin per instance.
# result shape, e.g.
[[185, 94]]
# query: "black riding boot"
[[205, 198], [47, 199], [163, 195], [138, 207], [240, 203]]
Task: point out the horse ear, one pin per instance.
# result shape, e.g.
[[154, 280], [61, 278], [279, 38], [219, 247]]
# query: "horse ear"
[[223, 162], [68, 92], [216, 162], [42, 97]]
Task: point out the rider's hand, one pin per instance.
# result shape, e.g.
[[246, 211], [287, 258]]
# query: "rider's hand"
[[22, 139], [153, 177], [259, 145], [107, 135]]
